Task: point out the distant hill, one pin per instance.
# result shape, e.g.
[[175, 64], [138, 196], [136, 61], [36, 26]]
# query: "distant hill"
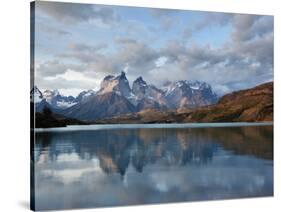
[[251, 105]]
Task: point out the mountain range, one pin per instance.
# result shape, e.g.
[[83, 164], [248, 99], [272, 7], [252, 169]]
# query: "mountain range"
[[250, 105], [115, 97]]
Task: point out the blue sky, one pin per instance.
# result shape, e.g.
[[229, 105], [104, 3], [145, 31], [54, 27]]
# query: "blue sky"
[[77, 45]]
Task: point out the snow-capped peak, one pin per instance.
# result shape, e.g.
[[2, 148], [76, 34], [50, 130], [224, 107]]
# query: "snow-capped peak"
[[196, 85], [55, 99], [84, 95]]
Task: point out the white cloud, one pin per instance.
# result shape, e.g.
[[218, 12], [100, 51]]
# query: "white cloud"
[[72, 13], [161, 61]]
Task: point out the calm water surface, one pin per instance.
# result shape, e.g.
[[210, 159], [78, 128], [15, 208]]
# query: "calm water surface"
[[90, 166]]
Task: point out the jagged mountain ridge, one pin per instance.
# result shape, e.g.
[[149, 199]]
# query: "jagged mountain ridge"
[[116, 97], [185, 94], [56, 101]]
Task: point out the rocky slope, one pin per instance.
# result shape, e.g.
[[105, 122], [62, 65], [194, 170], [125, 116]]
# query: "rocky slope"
[[100, 106]]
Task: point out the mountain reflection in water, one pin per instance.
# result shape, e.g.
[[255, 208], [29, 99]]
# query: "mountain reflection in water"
[[77, 169]]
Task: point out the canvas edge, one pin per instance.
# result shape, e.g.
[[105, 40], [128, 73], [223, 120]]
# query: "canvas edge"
[[32, 110]]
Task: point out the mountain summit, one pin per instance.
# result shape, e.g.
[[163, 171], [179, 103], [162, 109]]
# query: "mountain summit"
[[119, 85], [139, 87]]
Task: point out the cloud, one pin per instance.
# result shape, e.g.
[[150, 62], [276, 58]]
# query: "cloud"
[[166, 17], [71, 82], [244, 60], [207, 20], [93, 62], [222, 67], [53, 68], [125, 41], [136, 56], [83, 52], [252, 38], [187, 33], [82, 47], [69, 87], [243, 27], [72, 13], [213, 19], [52, 30]]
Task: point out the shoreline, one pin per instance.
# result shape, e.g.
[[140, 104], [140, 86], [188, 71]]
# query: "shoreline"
[[150, 126]]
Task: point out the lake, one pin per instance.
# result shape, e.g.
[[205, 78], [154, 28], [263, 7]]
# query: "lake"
[[115, 165]]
